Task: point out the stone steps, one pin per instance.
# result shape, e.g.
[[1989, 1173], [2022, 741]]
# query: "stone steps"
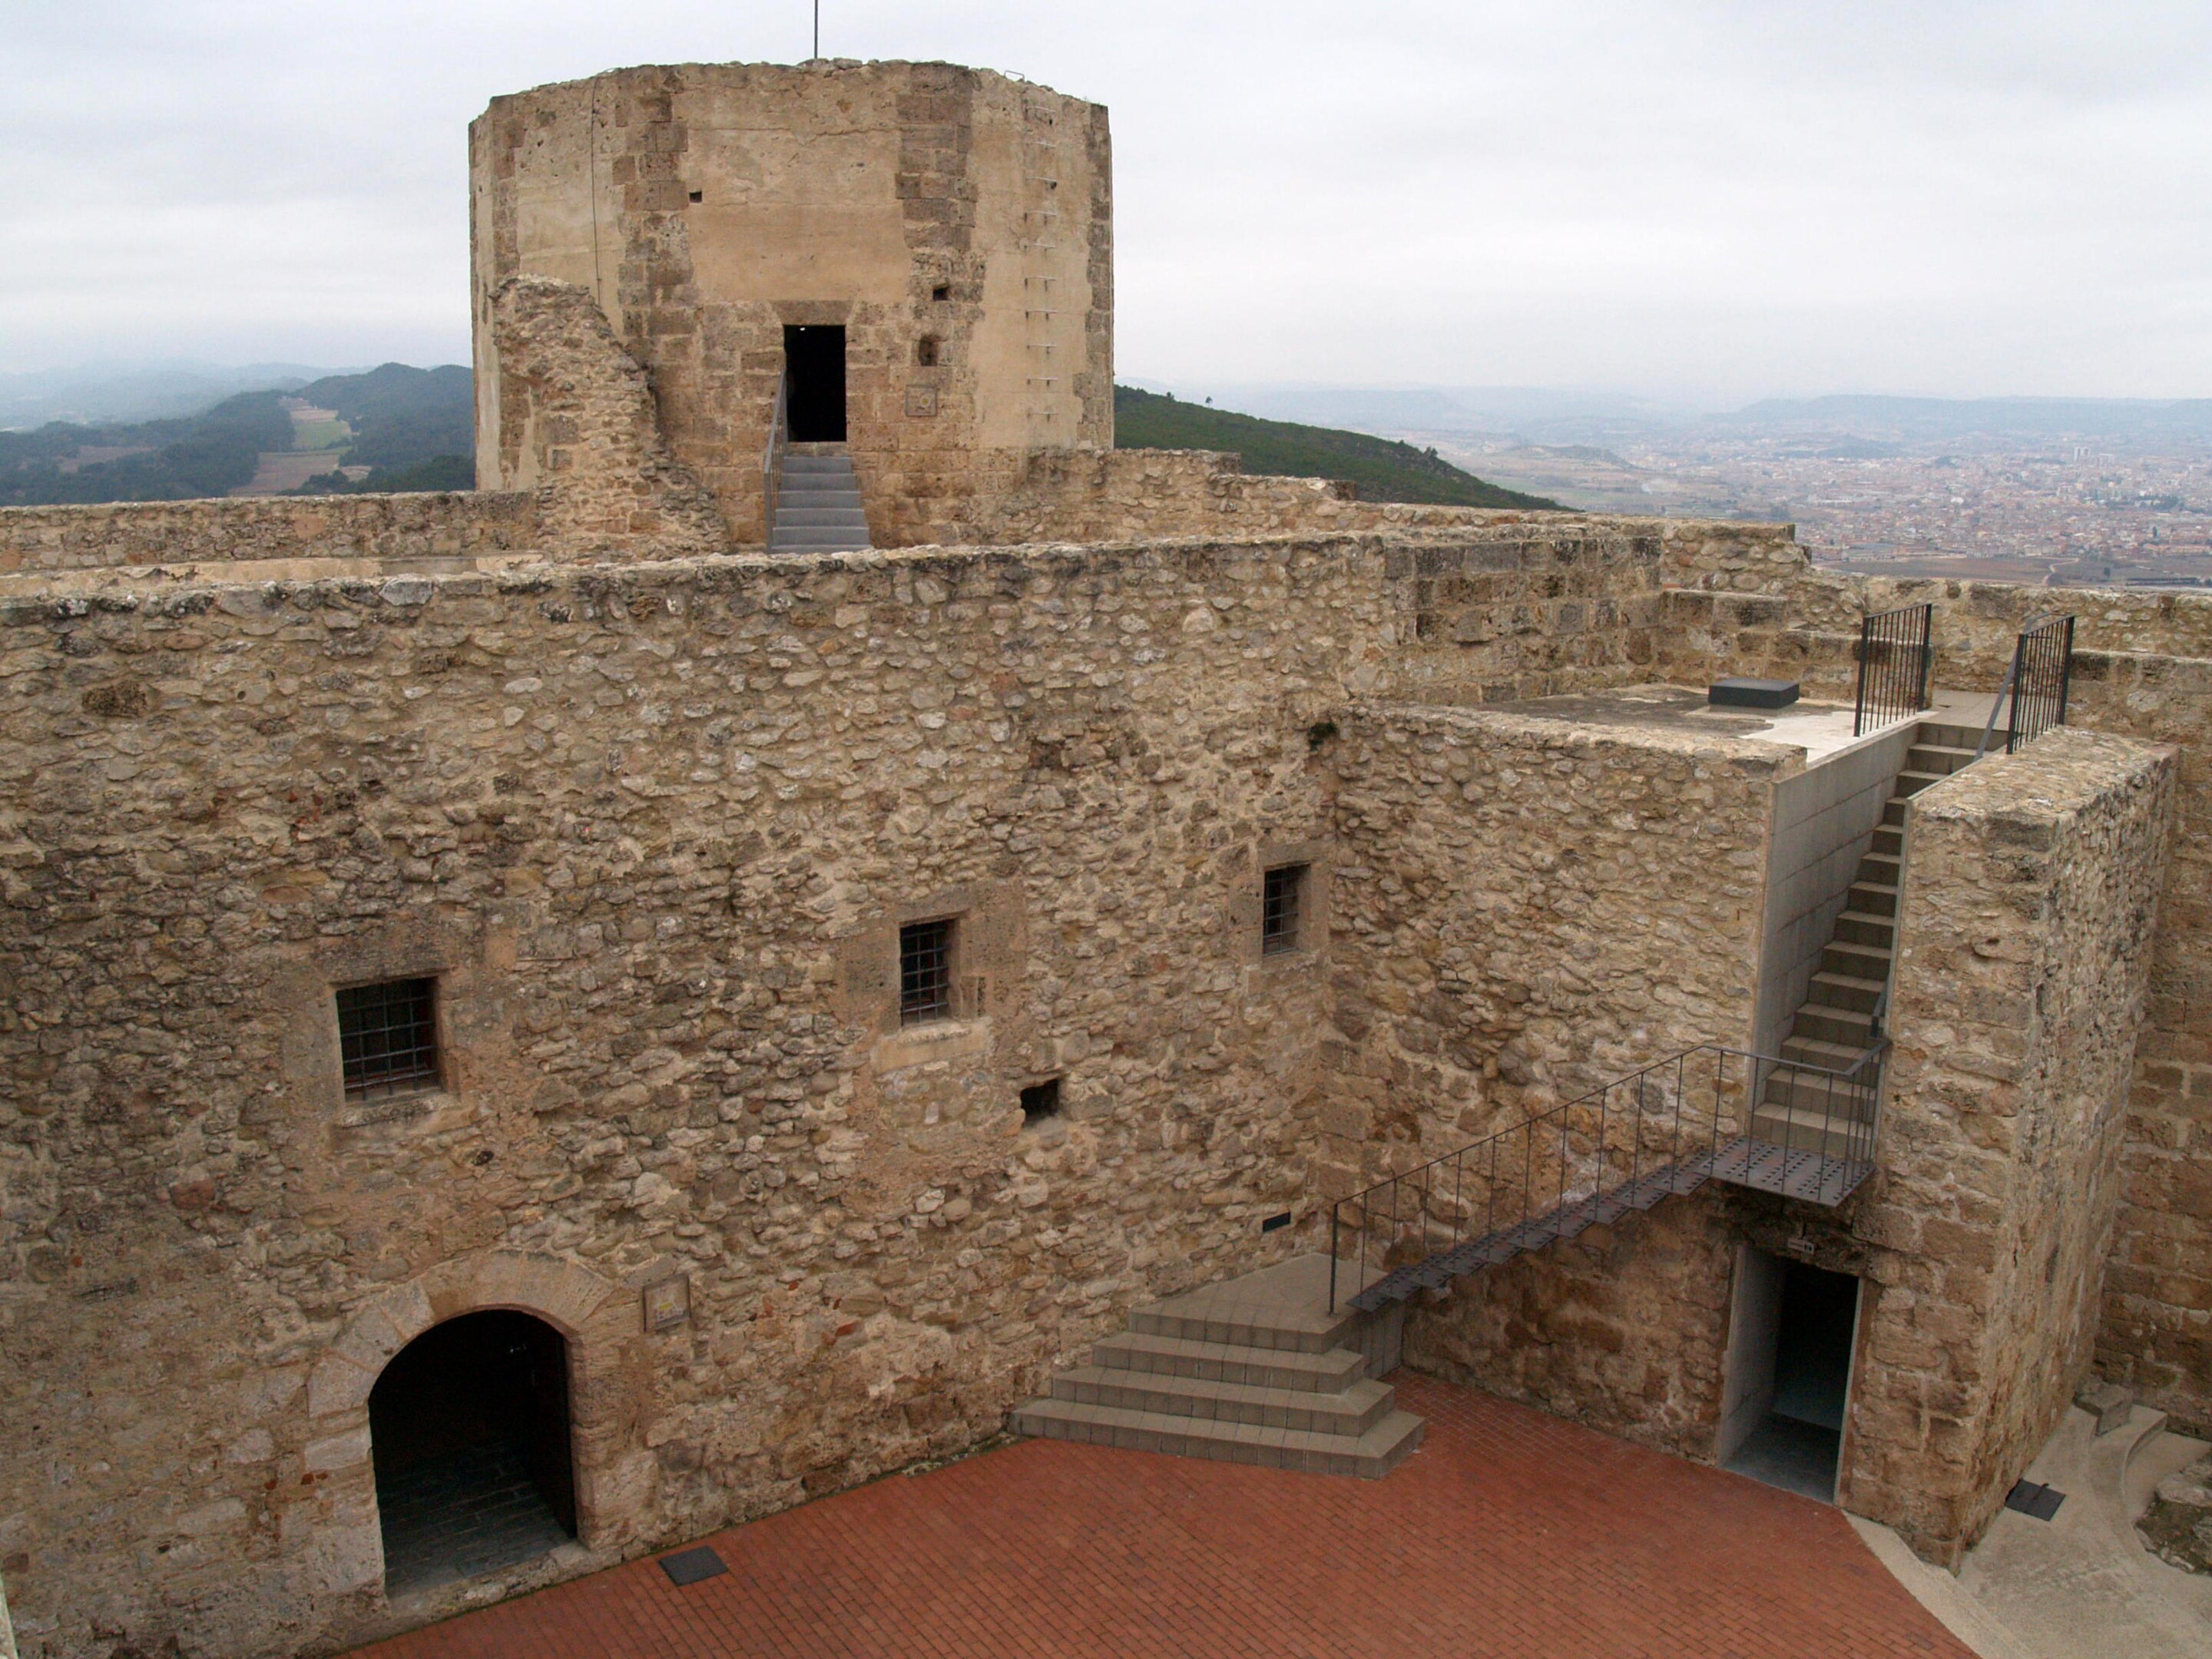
[[817, 504], [1838, 1022], [1255, 1370]]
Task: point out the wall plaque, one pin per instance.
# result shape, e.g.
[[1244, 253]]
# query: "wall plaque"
[[668, 1302]]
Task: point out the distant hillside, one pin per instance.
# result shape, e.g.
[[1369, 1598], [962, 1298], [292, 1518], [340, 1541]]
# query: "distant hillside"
[[1385, 470], [411, 427], [209, 453]]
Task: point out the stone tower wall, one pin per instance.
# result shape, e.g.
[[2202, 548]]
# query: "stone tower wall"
[[707, 206]]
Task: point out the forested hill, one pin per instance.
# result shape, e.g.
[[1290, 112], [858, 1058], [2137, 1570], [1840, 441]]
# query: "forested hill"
[[412, 427], [1384, 469]]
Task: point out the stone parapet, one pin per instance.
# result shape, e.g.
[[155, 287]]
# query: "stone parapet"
[[447, 524]]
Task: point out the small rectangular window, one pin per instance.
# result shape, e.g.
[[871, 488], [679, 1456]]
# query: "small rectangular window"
[[942, 291], [1278, 907], [925, 971], [388, 1036], [1041, 1101]]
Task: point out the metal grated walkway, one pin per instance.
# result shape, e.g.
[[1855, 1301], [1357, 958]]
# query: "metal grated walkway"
[[1743, 1162]]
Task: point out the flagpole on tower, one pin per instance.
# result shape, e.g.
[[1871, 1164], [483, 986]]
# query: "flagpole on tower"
[[818, 27]]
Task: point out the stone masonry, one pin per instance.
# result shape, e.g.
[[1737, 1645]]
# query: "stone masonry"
[[651, 809]]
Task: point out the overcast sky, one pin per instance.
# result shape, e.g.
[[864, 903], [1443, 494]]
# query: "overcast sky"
[[1688, 198]]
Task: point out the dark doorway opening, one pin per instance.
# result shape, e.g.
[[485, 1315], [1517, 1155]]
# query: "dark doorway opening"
[[1796, 1325], [814, 363], [469, 1426]]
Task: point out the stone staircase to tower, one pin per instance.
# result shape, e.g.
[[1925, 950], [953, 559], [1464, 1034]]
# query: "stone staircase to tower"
[[817, 502], [1255, 1369], [1839, 1020]]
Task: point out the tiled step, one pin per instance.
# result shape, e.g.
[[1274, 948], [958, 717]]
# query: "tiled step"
[[1941, 759], [802, 510], [1352, 1412], [1889, 841], [1266, 1367], [1966, 737], [1880, 868], [1864, 928], [1874, 898], [1197, 1319], [1819, 1051], [1850, 992], [1802, 1130], [1815, 1023], [1370, 1455], [1911, 783], [1788, 1089], [1854, 961]]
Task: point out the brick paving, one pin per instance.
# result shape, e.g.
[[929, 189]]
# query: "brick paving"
[[1510, 1534]]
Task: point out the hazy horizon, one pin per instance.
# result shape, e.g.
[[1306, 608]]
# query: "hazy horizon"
[[1700, 202]]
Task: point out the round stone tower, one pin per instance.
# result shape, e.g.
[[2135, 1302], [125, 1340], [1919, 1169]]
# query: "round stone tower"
[[916, 258]]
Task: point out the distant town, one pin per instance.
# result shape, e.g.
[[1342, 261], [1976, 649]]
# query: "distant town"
[[2026, 510]]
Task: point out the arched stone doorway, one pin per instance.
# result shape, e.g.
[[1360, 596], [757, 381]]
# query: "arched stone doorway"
[[468, 1430]]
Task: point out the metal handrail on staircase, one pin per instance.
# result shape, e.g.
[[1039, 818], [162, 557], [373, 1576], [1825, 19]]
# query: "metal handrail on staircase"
[[2043, 658], [1622, 1146], [779, 428]]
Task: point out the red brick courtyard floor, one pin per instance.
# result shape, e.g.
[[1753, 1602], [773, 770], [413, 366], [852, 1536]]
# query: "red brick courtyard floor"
[[1509, 1534]]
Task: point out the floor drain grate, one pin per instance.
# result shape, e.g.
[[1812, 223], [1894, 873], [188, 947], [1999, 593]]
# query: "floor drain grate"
[[689, 1566], [2041, 1502]]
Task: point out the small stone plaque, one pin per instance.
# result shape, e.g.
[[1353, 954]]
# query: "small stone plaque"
[[689, 1566], [922, 401], [668, 1302]]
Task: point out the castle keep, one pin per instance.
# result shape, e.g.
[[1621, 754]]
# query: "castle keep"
[[547, 996]]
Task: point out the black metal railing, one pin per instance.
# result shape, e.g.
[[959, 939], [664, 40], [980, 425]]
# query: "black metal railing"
[[1896, 654], [2037, 684], [1708, 1113]]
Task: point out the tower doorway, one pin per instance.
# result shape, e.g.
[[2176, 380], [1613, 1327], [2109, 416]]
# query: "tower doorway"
[[469, 1428], [814, 366], [1792, 1331]]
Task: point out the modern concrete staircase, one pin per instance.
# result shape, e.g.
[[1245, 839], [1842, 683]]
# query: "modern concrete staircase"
[[1835, 1023], [817, 502], [1255, 1369]]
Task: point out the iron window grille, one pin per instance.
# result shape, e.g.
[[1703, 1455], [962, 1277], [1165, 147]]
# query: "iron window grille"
[[925, 971], [1279, 897], [388, 1037]]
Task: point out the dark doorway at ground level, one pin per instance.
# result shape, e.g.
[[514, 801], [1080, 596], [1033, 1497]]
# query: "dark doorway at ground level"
[[814, 361], [1792, 1357], [469, 1426]]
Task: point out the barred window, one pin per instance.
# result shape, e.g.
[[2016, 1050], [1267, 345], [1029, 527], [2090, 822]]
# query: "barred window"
[[926, 971], [388, 1036], [1279, 897]]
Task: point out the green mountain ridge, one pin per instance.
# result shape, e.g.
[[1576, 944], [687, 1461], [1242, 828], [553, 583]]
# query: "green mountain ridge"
[[413, 426], [1384, 469]]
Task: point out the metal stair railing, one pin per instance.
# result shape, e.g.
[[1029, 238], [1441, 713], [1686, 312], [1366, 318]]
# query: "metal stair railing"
[[778, 427], [1664, 1129], [1897, 656], [2038, 682]]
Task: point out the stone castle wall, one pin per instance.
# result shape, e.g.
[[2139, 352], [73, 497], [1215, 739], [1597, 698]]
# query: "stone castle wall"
[[1529, 909], [178, 534], [654, 828], [2031, 888]]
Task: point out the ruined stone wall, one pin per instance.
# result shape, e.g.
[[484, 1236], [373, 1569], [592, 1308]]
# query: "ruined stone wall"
[[2032, 886], [141, 534], [1527, 908], [653, 828], [586, 437], [956, 223]]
